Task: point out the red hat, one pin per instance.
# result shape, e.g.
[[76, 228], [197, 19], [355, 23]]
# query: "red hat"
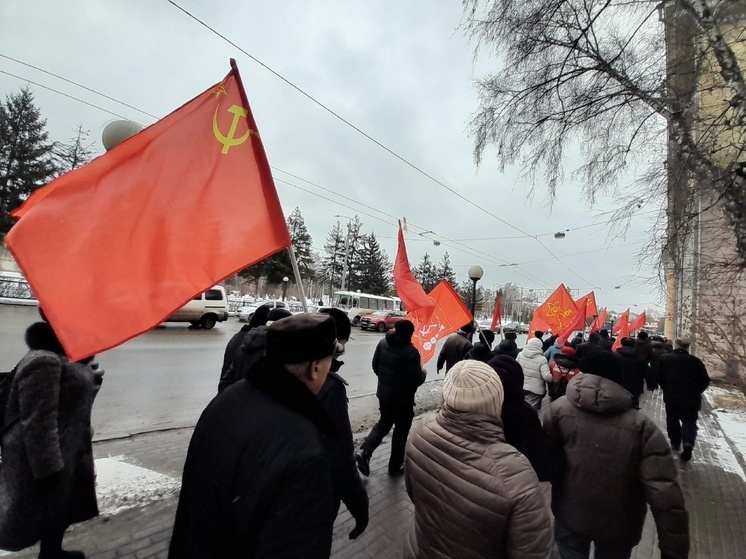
[[568, 350]]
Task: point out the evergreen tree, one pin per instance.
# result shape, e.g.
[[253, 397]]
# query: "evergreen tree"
[[278, 265], [426, 273], [355, 246], [75, 153], [25, 153], [332, 263], [374, 267], [445, 272]]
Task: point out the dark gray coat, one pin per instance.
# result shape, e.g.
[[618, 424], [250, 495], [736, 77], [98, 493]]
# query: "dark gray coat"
[[612, 462], [52, 400]]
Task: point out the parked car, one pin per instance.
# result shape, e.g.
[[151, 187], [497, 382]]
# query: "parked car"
[[380, 320], [205, 310], [513, 327], [245, 313]]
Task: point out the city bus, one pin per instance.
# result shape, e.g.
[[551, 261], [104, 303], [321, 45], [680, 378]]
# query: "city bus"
[[357, 304]]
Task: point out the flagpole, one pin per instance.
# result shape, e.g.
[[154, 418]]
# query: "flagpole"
[[298, 280]]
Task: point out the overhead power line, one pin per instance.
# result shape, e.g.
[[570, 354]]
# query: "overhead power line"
[[371, 138], [456, 244]]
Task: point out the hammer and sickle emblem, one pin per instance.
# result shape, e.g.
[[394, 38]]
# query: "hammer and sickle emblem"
[[229, 140]]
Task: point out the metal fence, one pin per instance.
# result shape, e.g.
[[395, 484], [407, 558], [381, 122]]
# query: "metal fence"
[[15, 288]]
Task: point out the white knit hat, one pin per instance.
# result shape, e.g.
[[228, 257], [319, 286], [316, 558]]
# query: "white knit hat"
[[473, 386]]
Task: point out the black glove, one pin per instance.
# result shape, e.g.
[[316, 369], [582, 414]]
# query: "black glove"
[[361, 523], [49, 483]]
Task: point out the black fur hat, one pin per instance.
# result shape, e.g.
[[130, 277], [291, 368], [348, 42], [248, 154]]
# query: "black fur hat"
[[40, 335]]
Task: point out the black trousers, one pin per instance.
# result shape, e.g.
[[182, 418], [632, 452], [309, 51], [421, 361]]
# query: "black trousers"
[[681, 424], [398, 416]]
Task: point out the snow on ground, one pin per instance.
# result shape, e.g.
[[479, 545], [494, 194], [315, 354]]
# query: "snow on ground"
[[120, 485], [729, 407]]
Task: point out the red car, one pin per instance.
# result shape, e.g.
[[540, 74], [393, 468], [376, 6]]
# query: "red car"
[[380, 320]]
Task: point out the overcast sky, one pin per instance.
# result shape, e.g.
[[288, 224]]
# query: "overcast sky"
[[402, 72]]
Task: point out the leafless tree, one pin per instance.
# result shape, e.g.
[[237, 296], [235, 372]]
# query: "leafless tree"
[[594, 74]]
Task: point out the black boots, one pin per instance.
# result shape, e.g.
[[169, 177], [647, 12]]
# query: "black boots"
[[686, 454], [363, 462]]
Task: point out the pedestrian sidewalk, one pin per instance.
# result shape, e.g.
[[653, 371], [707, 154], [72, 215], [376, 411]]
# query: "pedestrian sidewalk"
[[714, 483]]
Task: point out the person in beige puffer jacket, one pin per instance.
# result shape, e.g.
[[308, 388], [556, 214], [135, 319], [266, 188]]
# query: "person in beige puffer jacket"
[[474, 495]]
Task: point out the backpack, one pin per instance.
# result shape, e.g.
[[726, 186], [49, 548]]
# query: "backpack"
[[6, 381]]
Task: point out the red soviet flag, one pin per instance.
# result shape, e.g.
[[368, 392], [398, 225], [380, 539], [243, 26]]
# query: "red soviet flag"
[[115, 247], [622, 320], [623, 330], [557, 312], [497, 314], [591, 309], [638, 322], [599, 321], [447, 315], [411, 293], [578, 322]]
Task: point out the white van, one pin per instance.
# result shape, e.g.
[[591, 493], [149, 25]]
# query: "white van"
[[204, 310]]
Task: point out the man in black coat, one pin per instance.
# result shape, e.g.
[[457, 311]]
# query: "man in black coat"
[[643, 346], [398, 366], [456, 347], [259, 319], [591, 346], [605, 342], [482, 350], [635, 370], [508, 345], [348, 487], [521, 423], [256, 480], [683, 378], [251, 348]]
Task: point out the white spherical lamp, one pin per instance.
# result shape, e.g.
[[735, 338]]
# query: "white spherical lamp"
[[117, 131]]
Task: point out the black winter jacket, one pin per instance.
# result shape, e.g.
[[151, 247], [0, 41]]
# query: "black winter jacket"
[[507, 347], [454, 350], [230, 350], [644, 349], [521, 423], [587, 348], [397, 364], [346, 481], [256, 480], [480, 352], [683, 378], [635, 371], [252, 349]]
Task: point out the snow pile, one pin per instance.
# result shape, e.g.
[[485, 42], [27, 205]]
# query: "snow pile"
[[729, 408], [120, 485]]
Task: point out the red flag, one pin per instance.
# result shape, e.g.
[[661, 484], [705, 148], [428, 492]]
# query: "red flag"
[[622, 320], [599, 321], [638, 322], [447, 315], [578, 322], [591, 310], [115, 247], [496, 316], [557, 312], [623, 332], [410, 291]]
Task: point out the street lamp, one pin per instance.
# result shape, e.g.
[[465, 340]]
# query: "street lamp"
[[285, 281], [475, 274]]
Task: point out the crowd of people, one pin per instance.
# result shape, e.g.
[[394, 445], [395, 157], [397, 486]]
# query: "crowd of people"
[[272, 457]]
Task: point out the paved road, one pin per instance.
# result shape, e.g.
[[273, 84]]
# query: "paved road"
[[165, 377]]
